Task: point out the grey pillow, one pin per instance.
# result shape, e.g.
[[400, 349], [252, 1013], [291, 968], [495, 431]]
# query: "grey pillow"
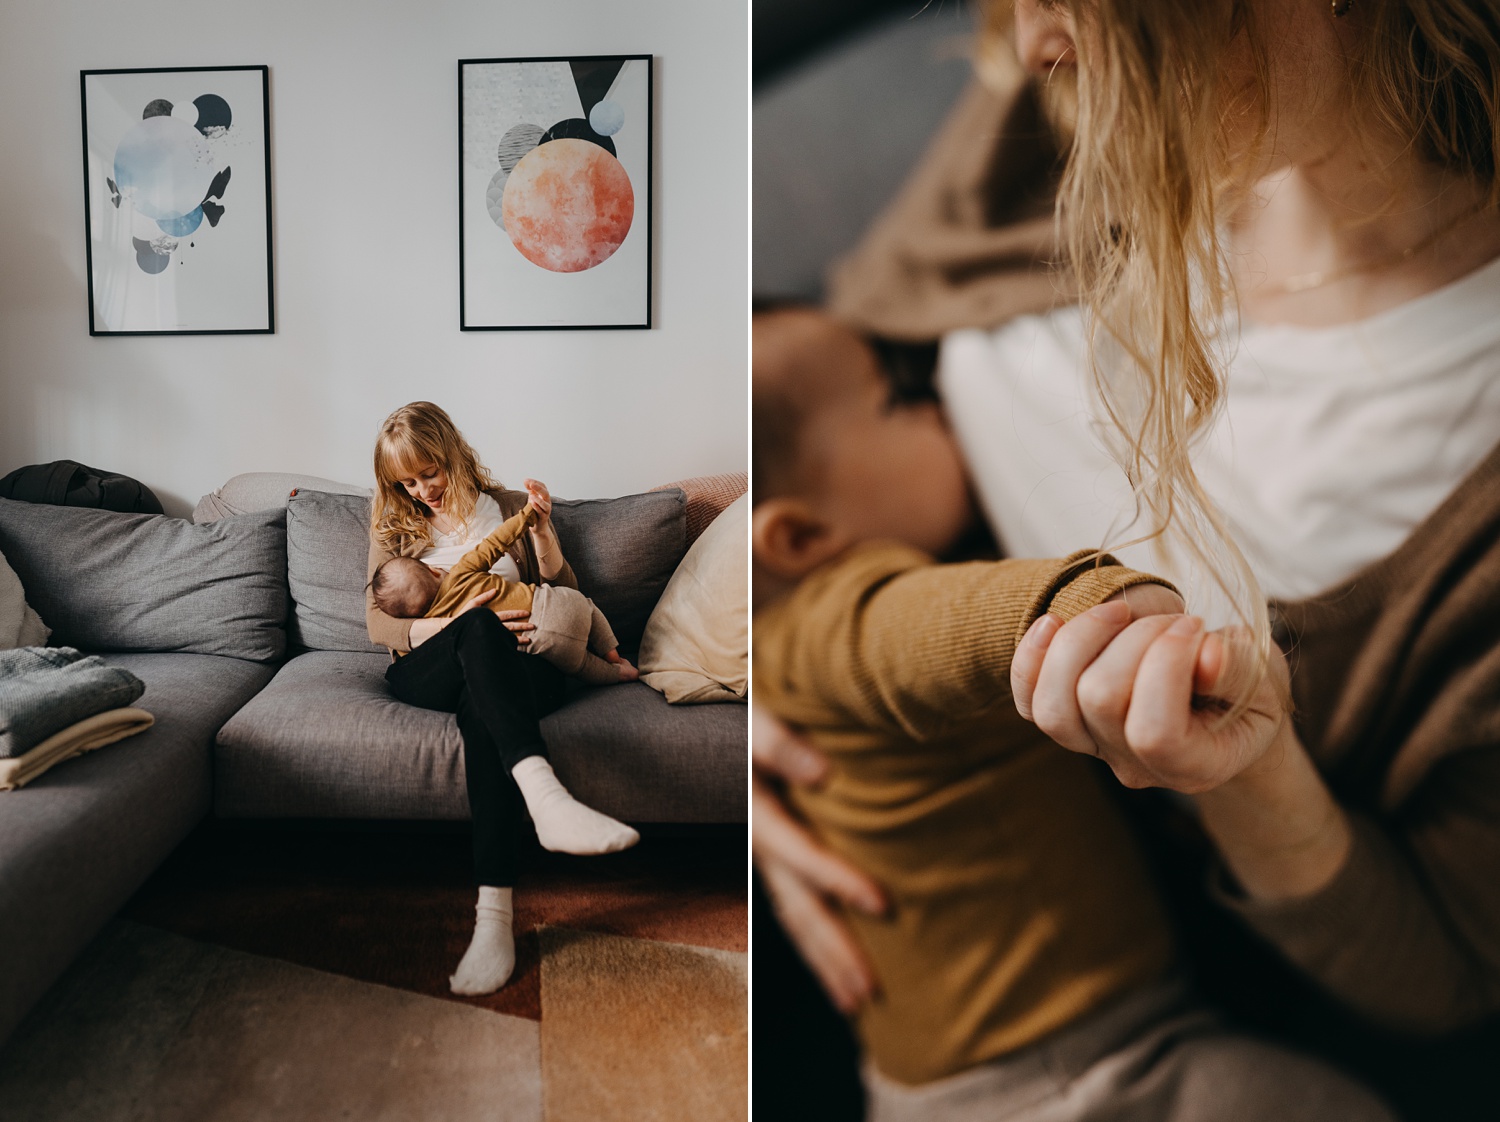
[[261, 490], [328, 547], [623, 550], [146, 582]]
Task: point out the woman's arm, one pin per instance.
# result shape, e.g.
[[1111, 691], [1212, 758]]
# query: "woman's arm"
[[1399, 918], [552, 567], [386, 630]]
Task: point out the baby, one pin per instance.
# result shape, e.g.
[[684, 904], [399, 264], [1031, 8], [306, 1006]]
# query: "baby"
[[570, 631], [1023, 917]]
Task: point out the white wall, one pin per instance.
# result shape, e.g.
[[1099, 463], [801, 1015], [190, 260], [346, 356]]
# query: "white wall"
[[365, 193]]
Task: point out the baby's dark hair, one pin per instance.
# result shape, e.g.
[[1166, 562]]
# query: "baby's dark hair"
[[786, 392], [404, 587]]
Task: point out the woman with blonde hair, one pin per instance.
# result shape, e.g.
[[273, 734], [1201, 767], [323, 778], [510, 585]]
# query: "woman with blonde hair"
[[1273, 367], [435, 501]]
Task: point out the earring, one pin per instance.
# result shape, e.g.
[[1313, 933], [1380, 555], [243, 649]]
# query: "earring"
[[1341, 8]]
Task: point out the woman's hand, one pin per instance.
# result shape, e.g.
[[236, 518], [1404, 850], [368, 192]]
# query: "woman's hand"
[[1122, 688], [541, 501], [549, 555], [803, 878], [517, 620]]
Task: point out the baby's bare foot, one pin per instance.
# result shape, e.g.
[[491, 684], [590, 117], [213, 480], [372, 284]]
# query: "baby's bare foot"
[[628, 673]]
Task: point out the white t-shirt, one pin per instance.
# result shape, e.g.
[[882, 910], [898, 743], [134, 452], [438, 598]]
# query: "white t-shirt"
[[1333, 445], [448, 549]]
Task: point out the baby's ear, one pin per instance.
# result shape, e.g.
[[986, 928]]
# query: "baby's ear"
[[789, 539]]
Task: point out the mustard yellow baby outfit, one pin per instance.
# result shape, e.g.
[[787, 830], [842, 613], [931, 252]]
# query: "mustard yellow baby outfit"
[[571, 632]]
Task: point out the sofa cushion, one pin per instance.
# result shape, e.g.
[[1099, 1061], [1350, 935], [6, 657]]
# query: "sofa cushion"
[[79, 840], [20, 626], [146, 582], [262, 490], [326, 740], [623, 551], [697, 641], [327, 547]]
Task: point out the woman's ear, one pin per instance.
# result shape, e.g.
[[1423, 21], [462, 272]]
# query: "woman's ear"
[[789, 539]]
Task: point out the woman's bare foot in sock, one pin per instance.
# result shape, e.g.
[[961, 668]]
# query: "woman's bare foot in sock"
[[487, 964], [628, 673], [563, 824]]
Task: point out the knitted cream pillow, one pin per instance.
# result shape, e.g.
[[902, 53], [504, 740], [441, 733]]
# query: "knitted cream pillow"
[[20, 626], [696, 645]]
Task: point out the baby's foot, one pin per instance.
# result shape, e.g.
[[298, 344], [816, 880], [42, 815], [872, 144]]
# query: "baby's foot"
[[487, 964], [563, 824]]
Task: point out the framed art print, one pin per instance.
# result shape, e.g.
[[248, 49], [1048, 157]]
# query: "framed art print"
[[177, 200], [554, 192]]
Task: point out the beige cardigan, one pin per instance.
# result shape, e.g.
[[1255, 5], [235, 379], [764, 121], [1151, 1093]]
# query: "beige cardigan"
[[1396, 673], [396, 633]]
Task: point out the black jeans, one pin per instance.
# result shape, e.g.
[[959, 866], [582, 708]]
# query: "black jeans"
[[473, 668]]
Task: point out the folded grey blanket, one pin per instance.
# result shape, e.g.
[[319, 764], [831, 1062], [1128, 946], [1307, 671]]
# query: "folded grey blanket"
[[43, 690]]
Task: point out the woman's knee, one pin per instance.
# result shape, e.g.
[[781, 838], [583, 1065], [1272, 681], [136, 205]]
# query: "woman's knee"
[[480, 625]]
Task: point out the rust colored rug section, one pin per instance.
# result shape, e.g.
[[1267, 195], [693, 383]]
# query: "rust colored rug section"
[[150, 1027], [395, 906], [642, 1031]]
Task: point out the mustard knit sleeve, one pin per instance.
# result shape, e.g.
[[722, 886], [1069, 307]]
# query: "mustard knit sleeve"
[[925, 648], [483, 556]]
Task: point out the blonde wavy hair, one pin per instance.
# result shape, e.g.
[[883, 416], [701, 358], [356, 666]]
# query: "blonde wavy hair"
[[411, 437], [1163, 153]]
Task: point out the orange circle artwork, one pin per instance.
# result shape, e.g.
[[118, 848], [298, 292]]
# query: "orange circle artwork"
[[568, 205]]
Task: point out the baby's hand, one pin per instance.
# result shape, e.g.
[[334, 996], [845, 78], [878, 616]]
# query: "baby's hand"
[[1150, 600]]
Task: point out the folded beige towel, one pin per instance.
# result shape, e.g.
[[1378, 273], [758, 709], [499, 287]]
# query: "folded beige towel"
[[88, 734]]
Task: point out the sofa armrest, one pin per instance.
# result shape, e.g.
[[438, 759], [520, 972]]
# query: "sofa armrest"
[[707, 497]]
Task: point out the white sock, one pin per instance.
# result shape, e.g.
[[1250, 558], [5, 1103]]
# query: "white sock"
[[491, 956], [563, 824]]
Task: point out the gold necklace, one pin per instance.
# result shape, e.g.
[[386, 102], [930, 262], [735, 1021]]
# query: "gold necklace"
[[1303, 282]]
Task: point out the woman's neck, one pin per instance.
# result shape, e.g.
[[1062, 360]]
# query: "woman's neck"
[[1349, 235]]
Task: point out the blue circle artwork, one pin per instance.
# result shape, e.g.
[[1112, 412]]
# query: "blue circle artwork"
[[163, 167], [607, 118], [182, 227]]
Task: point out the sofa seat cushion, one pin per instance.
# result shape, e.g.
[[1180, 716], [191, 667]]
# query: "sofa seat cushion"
[[77, 841], [326, 740]]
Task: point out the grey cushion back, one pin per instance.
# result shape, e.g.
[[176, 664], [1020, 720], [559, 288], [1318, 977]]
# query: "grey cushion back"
[[623, 550], [328, 546], [146, 582]]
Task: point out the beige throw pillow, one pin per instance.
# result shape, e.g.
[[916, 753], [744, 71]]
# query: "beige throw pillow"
[[20, 626], [697, 642]]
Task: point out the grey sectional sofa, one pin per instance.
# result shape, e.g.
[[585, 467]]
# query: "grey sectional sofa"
[[270, 701]]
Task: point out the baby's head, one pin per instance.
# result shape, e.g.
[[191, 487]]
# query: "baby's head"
[[838, 456], [404, 587]]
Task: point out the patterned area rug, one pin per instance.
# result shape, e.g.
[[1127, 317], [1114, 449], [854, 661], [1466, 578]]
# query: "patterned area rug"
[[299, 976]]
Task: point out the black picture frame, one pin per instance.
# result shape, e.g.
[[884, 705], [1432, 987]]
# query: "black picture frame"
[[562, 267], [145, 128]]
